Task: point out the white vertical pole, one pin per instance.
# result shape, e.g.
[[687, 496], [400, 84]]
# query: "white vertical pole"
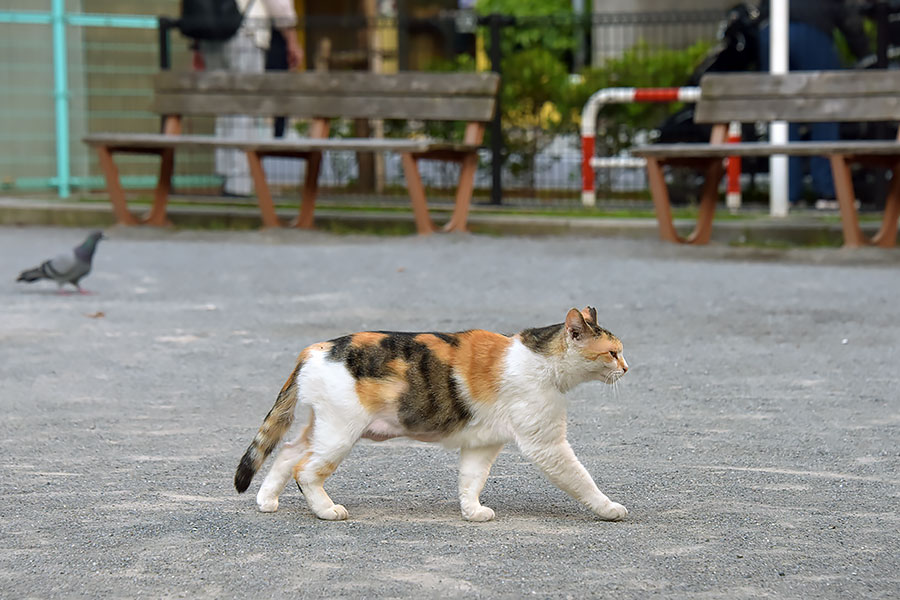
[[778, 131]]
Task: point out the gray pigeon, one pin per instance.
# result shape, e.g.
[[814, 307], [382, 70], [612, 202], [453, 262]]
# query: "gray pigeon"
[[69, 267]]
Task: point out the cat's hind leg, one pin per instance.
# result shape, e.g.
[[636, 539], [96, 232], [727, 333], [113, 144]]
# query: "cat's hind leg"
[[474, 466], [330, 444], [291, 453]]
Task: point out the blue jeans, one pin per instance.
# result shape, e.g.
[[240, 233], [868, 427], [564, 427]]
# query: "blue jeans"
[[811, 49]]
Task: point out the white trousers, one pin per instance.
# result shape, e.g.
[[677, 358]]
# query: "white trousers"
[[240, 54]]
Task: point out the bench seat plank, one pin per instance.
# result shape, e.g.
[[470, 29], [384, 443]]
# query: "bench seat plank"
[[425, 108], [346, 83], [810, 84], [125, 141], [695, 150]]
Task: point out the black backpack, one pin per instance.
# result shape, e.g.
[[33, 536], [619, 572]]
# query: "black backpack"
[[214, 20]]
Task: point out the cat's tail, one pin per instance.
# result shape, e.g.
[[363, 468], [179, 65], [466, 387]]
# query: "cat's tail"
[[273, 428]]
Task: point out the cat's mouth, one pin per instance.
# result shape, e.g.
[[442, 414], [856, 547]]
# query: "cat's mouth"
[[613, 376]]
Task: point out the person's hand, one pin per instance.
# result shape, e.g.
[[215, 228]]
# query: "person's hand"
[[294, 51]]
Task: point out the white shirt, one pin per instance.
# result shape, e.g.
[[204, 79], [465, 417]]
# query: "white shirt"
[[264, 13]]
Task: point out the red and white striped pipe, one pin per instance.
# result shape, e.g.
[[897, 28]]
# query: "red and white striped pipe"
[[618, 96], [733, 191]]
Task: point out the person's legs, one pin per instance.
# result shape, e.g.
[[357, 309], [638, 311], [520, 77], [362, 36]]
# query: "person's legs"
[[213, 55], [795, 168], [820, 167], [276, 60], [241, 55], [810, 49], [814, 50]]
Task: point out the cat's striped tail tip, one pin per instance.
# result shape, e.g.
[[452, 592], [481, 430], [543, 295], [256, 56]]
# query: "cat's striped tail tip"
[[244, 474]]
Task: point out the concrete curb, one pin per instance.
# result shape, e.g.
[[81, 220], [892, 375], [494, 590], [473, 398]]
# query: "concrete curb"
[[795, 230]]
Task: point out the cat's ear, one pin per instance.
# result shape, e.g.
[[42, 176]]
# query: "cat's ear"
[[590, 314], [575, 325]]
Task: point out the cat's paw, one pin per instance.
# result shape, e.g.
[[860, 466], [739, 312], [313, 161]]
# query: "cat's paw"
[[613, 512], [480, 514], [334, 513], [267, 504]]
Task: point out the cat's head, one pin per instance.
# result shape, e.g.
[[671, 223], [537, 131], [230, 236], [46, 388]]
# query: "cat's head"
[[600, 350]]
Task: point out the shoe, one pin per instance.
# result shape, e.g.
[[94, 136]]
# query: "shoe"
[[826, 204], [831, 204]]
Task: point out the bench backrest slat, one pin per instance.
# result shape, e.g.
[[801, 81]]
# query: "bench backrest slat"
[[425, 96], [808, 96]]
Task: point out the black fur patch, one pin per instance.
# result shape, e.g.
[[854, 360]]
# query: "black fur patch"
[[432, 403], [339, 347], [245, 472], [540, 339]]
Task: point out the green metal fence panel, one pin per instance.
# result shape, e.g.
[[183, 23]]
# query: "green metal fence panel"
[[65, 72]]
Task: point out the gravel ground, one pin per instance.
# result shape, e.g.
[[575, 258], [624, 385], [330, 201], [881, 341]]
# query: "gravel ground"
[[754, 440]]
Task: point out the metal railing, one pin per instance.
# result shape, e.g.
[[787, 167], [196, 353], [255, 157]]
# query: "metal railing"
[[59, 19]]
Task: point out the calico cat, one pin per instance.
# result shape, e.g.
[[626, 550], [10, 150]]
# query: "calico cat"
[[473, 390]]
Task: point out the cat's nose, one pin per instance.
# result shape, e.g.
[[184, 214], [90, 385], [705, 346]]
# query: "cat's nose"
[[624, 368]]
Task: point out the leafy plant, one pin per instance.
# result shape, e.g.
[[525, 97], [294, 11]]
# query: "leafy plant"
[[541, 100]]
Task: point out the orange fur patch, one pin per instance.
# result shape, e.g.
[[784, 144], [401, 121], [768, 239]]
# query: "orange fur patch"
[[599, 346], [307, 431], [377, 394], [479, 359], [326, 470], [366, 338], [301, 464], [305, 440], [398, 366], [439, 347]]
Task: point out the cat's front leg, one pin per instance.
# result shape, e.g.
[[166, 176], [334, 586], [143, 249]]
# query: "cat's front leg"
[[557, 460], [474, 466]]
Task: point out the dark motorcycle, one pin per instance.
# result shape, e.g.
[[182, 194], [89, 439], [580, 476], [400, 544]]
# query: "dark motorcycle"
[[737, 50]]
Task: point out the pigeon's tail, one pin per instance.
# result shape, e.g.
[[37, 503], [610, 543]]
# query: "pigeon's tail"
[[31, 275], [273, 428]]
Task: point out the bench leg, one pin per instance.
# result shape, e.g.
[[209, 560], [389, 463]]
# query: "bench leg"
[[708, 199], [310, 188], [263, 195], [114, 188], [887, 234], [424, 224], [843, 187], [660, 193], [157, 215], [709, 196], [464, 191]]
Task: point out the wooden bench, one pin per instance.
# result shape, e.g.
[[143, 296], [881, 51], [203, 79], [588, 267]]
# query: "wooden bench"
[[468, 97], [811, 96]]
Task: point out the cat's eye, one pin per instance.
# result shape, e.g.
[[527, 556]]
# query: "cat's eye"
[[614, 354]]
